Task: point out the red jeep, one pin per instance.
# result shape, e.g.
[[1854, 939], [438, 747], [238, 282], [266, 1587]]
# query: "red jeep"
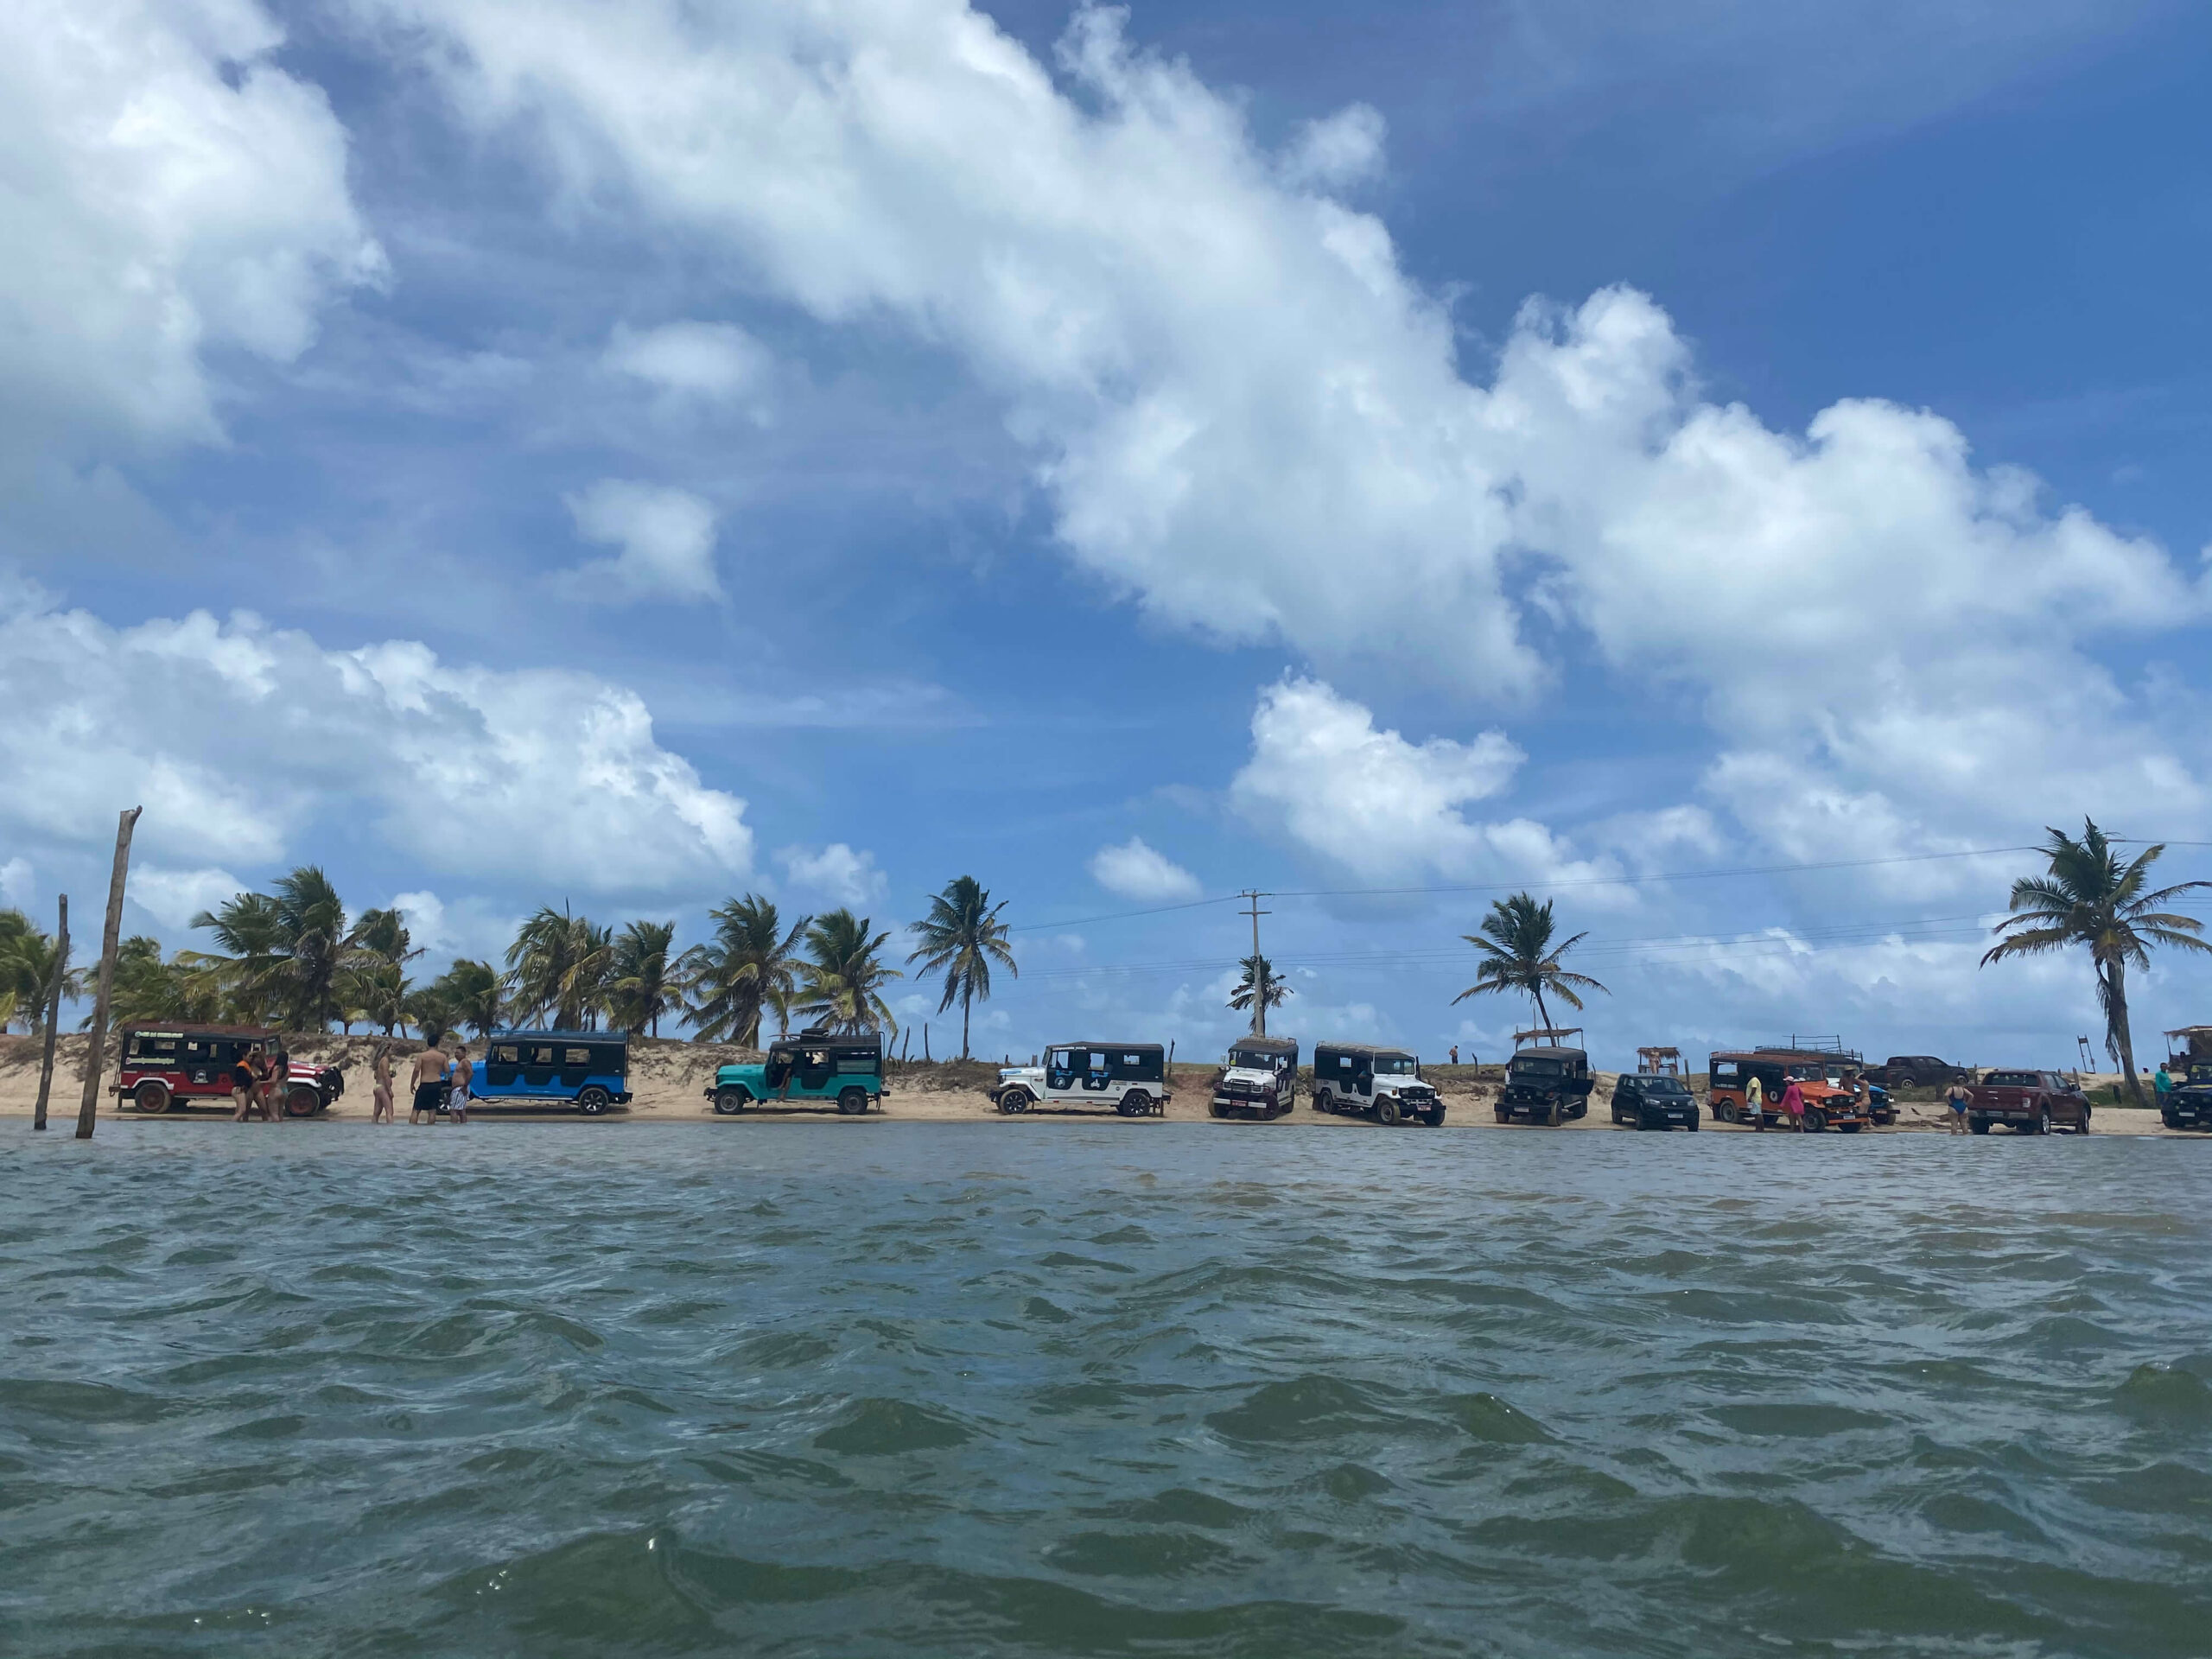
[[2030, 1103], [174, 1065]]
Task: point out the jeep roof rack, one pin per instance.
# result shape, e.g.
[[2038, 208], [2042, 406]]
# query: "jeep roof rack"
[[1528, 1037]]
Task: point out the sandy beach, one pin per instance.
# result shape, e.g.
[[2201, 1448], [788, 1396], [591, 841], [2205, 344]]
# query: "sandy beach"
[[669, 1079]]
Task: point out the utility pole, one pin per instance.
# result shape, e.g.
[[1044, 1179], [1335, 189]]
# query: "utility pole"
[[1259, 990]]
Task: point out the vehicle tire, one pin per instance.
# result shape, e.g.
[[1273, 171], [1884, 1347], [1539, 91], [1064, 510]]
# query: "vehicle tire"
[[2082, 1127], [1135, 1103], [1815, 1120], [1903, 1080], [1014, 1100], [1851, 1127], [303, 1100], [1433, 1117], [2171, 1120], [1217, 1109], [729, 1101], [594, 1100], [1692, 1123], [1642, 1123], [153, 1097], [1977, 1125], [1504, 1117], [852, 1103], [1551, 1116], [1325, 1101], [1386, 1111], [2042, 1124]]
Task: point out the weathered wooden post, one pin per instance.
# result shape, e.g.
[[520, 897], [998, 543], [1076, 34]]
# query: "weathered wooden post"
[[53, 1016], [925, 1042], [111, 937]]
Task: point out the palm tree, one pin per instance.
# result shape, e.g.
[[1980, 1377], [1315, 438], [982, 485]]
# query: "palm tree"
[[251, 932], [961, 938], [2091, 898], [27, 961], [642, 979], [842, 979], [750, 963], [312, 921], [471, 989], [1259, 990], [1518, 955], [375, 992], [558, 966]]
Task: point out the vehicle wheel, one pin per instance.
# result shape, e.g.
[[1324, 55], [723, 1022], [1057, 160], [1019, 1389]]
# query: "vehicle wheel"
[[1847, 1128], [1904, 1080], [852, 1103], [1216, 1108], [303, 1100], [594, 1100], [1014, 1100], [1978, 1125], [1433, 1117], [2082, 1127], [2042, 1125], [153, 1097], [1325, 1102], [1135, 1103], [1386, 1111], [1693, 1124], [731, 1100], [1552, 1117], [1815, 1120]]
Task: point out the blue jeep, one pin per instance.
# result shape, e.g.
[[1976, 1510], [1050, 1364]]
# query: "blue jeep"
[[588, 1070], [815, 1065]]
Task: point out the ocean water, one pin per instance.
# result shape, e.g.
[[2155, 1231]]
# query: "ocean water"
[[1130, 1388]]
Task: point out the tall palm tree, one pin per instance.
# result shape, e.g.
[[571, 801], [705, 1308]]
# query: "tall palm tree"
[[2091, 898], [374, 991], [557, 967], [27, 961], [312, 919], [250, 931], [1518, 955], [961, 938], [842, 979], [642, 979], [1259, 990], [750, 964], [472, 990]]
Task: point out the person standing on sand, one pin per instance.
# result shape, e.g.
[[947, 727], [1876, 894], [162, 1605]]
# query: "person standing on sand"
[[1455, 1053], [1955, 1098], [1755, 1103], [380, 1071], [457, 1073], [428, 1080], [2162, 1084], [244, 1079], [280, 1078], [1793, 1105]]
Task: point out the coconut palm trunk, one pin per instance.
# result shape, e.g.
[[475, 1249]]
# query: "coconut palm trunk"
[[2118, 1035]]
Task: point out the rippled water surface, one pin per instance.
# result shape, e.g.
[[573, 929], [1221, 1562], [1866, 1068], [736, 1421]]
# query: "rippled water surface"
[[1147, 1390]]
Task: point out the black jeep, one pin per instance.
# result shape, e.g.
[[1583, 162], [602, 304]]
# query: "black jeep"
[[2188, 1105], [1654, 1100], [1545, 1085]]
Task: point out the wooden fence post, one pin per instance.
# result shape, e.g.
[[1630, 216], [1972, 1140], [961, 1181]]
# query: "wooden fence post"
[[111, 937], [53, 1016]]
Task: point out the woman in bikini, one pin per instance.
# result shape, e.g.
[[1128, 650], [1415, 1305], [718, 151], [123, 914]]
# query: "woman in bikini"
[[243, 1080], [380, 1070]]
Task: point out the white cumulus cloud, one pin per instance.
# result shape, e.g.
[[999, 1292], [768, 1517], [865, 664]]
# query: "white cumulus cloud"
[[836, 872], [1135, 871], [701, 362], [168, 190], [1381, 806], [173, 898], [239, 738], [666, 537]]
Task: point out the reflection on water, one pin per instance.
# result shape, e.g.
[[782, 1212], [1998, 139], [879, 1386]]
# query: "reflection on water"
[[594, 1391]]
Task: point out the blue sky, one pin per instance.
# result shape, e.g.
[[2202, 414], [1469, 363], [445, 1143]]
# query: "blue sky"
[[631, 455]]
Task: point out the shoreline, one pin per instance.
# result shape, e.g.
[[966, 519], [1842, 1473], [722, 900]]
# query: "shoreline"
[[669, 1077]]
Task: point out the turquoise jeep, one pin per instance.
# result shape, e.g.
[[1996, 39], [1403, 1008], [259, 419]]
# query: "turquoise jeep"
[[815, 1065]]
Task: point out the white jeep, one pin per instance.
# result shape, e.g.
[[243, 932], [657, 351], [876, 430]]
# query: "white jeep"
[[1131, 1077], [1383, 1083]]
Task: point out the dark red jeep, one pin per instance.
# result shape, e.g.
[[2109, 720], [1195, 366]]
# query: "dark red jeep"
[[167, 1066], [2028, 1103]]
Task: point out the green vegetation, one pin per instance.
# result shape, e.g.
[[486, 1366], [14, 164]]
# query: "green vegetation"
[[842, 979], [1518, 955], [1258, 991]]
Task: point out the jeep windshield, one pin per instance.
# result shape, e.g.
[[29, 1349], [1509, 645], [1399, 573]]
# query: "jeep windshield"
[[1538, 1068], [1247, 1059], [1397, 1068], [1663, 1085], [2201, 1072]]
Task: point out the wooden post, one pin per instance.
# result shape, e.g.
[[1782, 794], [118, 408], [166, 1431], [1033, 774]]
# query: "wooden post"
[[111, 937], [925, 1042], [53, 1016]]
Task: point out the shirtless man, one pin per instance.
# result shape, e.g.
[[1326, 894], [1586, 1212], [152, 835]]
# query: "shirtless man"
[[428, 1079]]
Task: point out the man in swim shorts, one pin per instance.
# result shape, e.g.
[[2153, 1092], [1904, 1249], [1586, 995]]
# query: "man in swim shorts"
[[428, 1079]]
